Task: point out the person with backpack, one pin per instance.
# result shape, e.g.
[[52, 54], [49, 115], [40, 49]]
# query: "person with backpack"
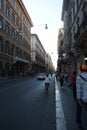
[[80, 93]]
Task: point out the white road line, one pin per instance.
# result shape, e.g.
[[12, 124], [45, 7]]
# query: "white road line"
[[60, 119]]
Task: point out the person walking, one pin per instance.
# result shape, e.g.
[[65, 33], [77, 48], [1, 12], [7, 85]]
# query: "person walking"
[[79, 93], [73, 79], [47, 82], [61, 79]]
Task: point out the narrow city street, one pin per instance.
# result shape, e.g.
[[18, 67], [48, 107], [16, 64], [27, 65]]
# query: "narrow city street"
[[24, 105], [40, 38]]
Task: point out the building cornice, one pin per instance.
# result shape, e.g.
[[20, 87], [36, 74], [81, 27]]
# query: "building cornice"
[[25, 11]]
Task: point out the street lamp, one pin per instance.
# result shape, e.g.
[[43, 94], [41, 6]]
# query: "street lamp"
[[46, 27], [28, 27]]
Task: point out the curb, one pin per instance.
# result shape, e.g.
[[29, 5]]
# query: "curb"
[[60, 119]]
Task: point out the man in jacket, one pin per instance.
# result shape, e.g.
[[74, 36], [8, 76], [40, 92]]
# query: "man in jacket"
[[79, 90]]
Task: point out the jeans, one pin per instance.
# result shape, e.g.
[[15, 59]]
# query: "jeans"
[[74, 92], [78, 114]]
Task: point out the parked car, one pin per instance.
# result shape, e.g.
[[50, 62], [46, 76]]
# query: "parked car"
[[41, 76]]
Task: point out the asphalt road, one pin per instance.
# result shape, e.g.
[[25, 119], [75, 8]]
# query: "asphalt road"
[[24, 105]]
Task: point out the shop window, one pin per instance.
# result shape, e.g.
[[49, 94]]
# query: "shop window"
[[7, 65], [0, 65]]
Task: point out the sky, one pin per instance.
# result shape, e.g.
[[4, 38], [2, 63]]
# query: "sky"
[[47, 12]]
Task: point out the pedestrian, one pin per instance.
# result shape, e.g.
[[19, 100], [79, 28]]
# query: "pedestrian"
[[47, 82], [73, 79], [66, 76], [79, 93], [51, 74], [61, 79]]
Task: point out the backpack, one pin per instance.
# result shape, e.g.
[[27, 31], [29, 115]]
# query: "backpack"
[[84, 94]]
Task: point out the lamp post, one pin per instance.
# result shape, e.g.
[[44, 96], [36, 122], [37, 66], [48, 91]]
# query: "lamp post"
[[28, 27], [46, 27], [37, 28]]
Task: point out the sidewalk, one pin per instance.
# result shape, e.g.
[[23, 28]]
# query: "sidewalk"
[[60, 119], [68, 107]]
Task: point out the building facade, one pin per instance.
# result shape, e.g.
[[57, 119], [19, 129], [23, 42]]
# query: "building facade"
[[60, 50], [49, 64], [74, 16], [15, 38], [37, 54]]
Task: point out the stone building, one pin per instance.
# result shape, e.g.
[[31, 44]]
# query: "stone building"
[[49, 64], [15, 38], [60, 50], [74, 16], [37, 54]]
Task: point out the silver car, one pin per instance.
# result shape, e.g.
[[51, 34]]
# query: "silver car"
[[41, 76]]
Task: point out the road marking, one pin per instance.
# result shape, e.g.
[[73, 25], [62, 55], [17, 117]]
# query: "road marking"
[[60, 119]]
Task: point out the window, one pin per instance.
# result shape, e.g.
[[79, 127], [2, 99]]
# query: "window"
[[12, 50], [17, 21], [17, 9], [1, 45], [7, 47], [20, 26], [1, 23], [7, 65], [13, 33], [73, 10], [17, 51], [16, 35], [1, 4], [77, 3], [7, 28], [13, 3], [0, 65], [7, 10], [13, 17], [20, 13]]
